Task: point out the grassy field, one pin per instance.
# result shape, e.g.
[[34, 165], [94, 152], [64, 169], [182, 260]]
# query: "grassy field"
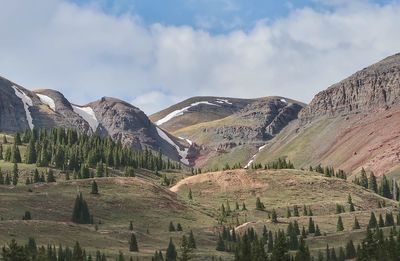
[[151, 207]]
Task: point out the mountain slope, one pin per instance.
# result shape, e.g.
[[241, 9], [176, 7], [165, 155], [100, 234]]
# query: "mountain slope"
[[21, 109], [354, 123], [228, 130]]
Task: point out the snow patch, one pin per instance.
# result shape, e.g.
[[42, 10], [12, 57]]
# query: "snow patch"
[[182, 153], [88, 115], [254, 157], [180, 112], [283, 100], [47, 100], [187, 140], [222, 101], [27, 101]]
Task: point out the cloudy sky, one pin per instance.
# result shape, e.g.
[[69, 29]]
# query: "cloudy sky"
[[154, 53]]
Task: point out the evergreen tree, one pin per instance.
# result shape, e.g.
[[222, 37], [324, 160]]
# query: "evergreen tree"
[[179, 227], [15, 174], [350, 250], [259, 204], [356, 224], [5, 139], [50, 176], [95, 189], [14, 252], [339, 226], [130, 226], [274, 216], [364, 179], [1, 152], [190, 196], [27, 216], [171, 254], [185, 249], [171, 227], [372, 184], [133, 245], [30, 152], [372, 221], [81, 214], [220, 244], [192, 241]]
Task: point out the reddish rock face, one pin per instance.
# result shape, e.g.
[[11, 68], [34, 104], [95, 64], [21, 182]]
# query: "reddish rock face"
[[377, 86]]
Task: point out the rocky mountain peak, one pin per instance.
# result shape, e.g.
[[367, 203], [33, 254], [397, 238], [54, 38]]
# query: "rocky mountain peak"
[[373, 88]]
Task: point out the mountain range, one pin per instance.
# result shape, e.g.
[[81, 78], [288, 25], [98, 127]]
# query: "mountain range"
[[352, 124]]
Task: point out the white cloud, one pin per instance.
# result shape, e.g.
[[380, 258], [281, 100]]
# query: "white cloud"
[[87, 54], [150, 102]]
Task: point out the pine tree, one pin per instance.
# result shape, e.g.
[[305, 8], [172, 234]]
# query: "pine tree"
[[220, 244], [364, 179], [190, 194], [179, 227], [372, 184], [15, 174], [185, 249], [50, 176], [317, 231], [296, 211], [259, 204], [95, 189], [133, 245], [192, 241], [30, 152], [171, 227], [311, 226], [274, 216], [244, 207], [130, 226], [372, 221], [81, 214], [339, 226], [171, 254], [350, 250], [356, 224], [27, 216]]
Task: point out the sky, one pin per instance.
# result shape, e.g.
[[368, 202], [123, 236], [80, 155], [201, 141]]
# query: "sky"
[[154, 53]]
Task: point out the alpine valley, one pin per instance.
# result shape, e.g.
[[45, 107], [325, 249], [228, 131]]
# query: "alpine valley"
[[209, 178]]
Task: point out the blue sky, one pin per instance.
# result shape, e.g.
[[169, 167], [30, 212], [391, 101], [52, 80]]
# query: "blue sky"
[[214, 16], [154, 53]]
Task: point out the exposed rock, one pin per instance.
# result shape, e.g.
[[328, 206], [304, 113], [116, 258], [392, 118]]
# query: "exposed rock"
[[375, 87]]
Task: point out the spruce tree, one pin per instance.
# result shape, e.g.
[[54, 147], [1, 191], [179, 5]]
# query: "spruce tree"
[[185, 249], [372, 221], [372, 183], [133, 245], [274, 216], [95, 189], [220, 244], [171, 227], [30, 152], [15, 174], [190, 196], [192, 241], [356, 224], [179, 227], [100, 169], [339, 226], [81, 214], [130, 226], [171, 254]]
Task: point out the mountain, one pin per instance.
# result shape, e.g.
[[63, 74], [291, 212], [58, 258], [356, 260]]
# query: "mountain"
[[227, 130], [21, 109], [352, 124]]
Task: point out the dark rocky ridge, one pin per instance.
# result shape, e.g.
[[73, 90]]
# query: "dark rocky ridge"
[[375, 87]]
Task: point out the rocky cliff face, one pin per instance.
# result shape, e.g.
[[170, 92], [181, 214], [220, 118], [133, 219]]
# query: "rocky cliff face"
[[375, 87]]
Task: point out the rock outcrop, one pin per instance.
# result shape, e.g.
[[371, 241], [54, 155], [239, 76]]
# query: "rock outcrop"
[[375, 87]]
